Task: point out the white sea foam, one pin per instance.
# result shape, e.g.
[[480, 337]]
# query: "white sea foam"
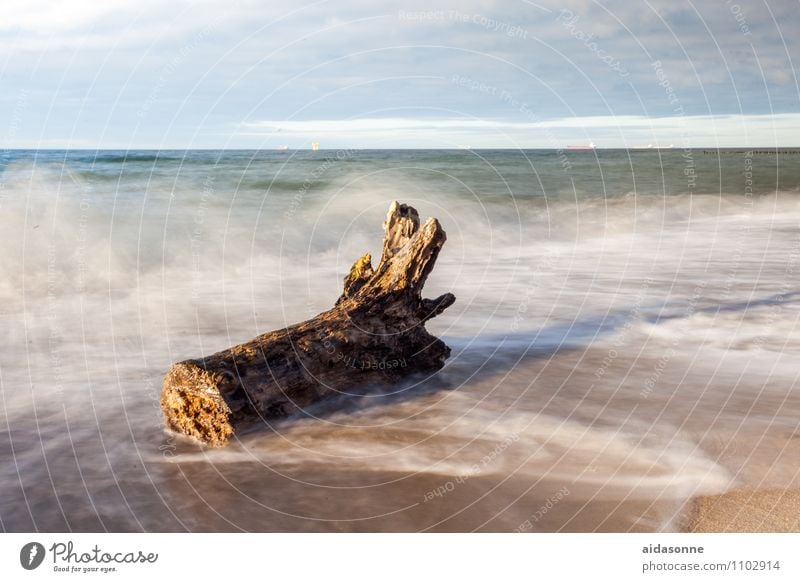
[[467, 442]]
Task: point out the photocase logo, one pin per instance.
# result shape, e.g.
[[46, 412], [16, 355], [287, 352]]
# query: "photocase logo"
[[31, 555]]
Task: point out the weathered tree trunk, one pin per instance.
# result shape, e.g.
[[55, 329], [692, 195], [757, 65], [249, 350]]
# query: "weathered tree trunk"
[[373, 335]]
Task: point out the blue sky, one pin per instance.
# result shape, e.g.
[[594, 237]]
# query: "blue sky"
[[359, 74]]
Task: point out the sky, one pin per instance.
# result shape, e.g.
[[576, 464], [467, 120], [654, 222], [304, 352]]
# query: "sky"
[[133, 74]]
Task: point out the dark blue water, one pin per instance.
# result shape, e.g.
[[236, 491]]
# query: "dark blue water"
[[495, 174]]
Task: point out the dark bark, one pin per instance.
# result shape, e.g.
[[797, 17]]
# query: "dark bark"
[[375, 334]]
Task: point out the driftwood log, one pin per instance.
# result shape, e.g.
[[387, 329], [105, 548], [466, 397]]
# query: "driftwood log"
[[375, 334]]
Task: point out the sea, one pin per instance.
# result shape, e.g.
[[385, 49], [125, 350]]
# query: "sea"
[[625, 337]]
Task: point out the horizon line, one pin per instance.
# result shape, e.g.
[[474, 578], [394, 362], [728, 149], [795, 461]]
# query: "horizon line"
[[571, 148]]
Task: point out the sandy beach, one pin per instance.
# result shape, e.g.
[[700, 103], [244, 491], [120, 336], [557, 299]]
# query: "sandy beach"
[[747, 511]]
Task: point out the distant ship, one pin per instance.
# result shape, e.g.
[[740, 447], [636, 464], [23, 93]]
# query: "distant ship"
[[581, 147], [282, 148], [314, 146]]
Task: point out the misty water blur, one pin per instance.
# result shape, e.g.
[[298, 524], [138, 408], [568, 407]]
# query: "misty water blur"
[[625, 331]]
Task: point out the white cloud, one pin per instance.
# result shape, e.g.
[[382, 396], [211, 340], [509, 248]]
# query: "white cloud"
[[605, 131], [47, 17]]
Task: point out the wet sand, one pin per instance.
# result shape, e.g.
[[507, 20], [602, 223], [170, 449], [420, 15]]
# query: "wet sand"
[[565, 451], [747, 511]]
